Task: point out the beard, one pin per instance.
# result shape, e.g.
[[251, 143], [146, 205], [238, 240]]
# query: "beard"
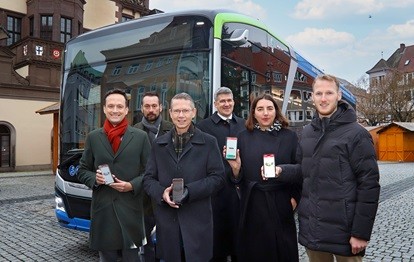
[[151, 117]]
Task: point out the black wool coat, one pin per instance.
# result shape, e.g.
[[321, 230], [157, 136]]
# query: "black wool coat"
[[340, 183], [226, 204], [267, 225], [165, 126], [191, 225]]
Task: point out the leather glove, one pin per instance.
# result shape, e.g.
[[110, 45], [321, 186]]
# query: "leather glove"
[[184, 197]]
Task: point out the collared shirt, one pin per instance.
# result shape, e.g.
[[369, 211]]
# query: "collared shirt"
[[227, 119]]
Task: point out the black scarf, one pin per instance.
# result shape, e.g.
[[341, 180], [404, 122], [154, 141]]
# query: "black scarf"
[[180, 141]]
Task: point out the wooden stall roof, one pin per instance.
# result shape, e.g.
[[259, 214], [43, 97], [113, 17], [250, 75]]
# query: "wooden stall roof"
[[406, 125]]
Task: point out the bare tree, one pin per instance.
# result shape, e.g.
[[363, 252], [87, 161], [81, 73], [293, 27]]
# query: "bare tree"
[[391, 99], [371, 103], [400, 97]]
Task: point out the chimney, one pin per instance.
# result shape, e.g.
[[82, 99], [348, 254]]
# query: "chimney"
[[402, 47]]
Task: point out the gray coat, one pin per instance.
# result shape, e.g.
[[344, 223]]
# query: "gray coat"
[[201, 167], [116, 218]]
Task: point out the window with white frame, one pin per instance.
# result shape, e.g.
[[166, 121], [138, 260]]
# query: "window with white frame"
[[309, 115], [140, 94], [277, 77], [65, 29], [254, 77], [117, 70], [245, 75], [295, 115], [148, 66], [133, 69], [307, 96]]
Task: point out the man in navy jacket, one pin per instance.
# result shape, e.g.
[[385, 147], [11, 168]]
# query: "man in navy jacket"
[[184, 226], [222, 124]]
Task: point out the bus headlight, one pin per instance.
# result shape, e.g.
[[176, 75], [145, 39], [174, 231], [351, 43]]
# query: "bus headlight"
[[59, 204]]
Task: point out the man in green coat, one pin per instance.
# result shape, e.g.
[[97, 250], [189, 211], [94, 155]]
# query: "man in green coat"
[[117, 223]]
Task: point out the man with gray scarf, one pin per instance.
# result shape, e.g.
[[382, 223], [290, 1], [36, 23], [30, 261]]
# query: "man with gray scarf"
[[153, 124]]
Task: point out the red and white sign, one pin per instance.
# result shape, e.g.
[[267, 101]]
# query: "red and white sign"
[[56, 53]]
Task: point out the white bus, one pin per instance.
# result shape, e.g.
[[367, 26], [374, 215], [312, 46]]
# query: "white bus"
[[194, 52]]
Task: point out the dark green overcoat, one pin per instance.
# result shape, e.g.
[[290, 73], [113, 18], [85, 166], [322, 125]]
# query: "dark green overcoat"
[[116, 218]]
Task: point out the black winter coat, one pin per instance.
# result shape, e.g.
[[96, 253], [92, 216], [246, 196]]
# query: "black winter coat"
[[191, 225], [226, 206], [340, 183], [267, 225]]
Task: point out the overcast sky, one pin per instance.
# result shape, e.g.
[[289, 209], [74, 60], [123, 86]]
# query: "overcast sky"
[[342, 37]]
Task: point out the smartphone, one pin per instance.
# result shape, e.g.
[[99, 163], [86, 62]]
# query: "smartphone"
[[177, 189], [269, 165], [107, 174], [231, 147]]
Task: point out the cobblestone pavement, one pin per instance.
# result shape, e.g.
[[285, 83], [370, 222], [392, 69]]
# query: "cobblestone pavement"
[[29, 230]]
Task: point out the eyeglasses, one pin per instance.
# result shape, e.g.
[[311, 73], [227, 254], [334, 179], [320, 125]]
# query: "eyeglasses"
[[184, 111]]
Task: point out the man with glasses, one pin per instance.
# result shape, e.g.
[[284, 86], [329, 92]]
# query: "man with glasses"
[[222, 124], [185, 225]]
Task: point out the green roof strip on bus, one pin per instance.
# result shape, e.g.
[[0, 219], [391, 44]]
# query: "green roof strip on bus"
[[222, 18]]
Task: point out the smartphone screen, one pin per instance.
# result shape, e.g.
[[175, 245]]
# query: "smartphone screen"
[[231, 147], [178, 189], [269, 165], [107, 174]]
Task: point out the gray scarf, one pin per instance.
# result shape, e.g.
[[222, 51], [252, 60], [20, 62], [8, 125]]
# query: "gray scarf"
[[152, 128]]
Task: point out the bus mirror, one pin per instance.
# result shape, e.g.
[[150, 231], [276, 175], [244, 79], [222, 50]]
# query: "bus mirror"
[[239, 37]]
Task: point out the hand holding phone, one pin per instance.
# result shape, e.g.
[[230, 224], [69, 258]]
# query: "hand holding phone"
[[106, 172], [231, 148], [177, 190], [269, 165]]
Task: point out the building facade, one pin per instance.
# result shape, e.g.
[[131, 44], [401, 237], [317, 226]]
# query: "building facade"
[[391, 86], [32, 38]]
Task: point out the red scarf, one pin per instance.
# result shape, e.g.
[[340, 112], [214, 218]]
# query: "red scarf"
[[115, 133]]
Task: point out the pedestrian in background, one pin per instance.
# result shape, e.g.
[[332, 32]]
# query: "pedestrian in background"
[[340, 179], [184, 227], [226, 204], [153, 124], [116, 211], [267, 229]]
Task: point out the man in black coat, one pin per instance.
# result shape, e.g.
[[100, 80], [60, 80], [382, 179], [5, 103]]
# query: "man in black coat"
[[340, 179], [222, 124], [155, 126], [184, 224]]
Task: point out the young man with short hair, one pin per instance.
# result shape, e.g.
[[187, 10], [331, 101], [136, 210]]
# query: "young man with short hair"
[[340, 179]]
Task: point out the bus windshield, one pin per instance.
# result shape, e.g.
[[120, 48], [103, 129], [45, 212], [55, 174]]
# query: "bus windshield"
[[168, 57]]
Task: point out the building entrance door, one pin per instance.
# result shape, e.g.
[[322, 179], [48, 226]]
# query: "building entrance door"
[[4, 146]]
